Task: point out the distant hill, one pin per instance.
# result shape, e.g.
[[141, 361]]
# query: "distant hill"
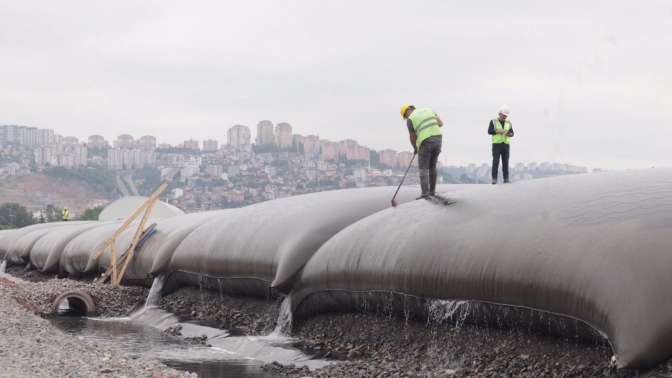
[[38, 190]]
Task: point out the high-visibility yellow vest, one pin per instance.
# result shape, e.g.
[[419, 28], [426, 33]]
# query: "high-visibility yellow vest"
[[501, 138], [66, 215], [425, 123]]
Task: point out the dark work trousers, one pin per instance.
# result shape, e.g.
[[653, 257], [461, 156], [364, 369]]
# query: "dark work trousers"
[[500, 149], [427, 159]]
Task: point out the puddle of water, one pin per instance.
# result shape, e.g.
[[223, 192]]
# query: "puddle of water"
[[139, 340], [229, 356]]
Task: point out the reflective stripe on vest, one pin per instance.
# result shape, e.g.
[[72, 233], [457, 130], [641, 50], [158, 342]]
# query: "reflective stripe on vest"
[[501, 138], [425, 124]]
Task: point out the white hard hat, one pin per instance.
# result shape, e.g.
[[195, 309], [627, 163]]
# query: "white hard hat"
[[504, 109]]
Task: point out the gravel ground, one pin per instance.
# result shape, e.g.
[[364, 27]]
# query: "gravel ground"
[[31, 347], [39, 291], [239, 315], [369, 345]]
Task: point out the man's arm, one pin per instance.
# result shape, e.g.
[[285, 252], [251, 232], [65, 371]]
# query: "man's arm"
[[491, 128], [510, 133], [411, 134], [439, 121]]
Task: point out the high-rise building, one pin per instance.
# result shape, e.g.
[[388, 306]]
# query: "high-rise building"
[[70, 141], [239, 136], [283, 135], [328, 150], [404, 159], [26, 136], [9, 134], [265, 133], [191, 145], [124, 141], [347, 149], [97, 142], [44, 156], [311, 146], [115, 158], [147, 143], [29, 136], [210, 145], [388, 158], [45, 137], [130, 158], [214, 170]]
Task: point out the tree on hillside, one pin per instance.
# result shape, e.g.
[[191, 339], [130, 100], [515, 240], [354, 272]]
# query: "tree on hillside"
[[91, 213], [13, 215]]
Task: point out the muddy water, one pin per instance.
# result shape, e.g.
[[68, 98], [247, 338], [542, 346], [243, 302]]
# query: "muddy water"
[[229, 356]]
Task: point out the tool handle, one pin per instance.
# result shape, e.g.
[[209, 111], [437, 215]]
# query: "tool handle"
[[403, 178]]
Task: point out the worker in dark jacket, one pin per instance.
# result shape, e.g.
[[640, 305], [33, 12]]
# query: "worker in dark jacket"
[[424, 129], [501, 131]]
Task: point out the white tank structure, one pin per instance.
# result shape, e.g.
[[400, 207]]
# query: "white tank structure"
[[120, 209]]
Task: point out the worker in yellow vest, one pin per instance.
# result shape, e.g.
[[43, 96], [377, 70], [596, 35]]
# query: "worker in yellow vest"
[[424, 129], [65, 215], [501, 131]]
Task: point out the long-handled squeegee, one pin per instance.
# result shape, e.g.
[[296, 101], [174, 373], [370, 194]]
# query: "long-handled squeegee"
[[394, 203]]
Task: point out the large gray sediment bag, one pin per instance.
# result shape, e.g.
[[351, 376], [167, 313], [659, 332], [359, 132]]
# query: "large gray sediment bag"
[[46, 253], [4, 233], [260, 246], [596, 248], [78, 257], [158, 248], [15, 246]]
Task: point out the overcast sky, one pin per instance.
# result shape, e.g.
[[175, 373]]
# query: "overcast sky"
[[588, 83]]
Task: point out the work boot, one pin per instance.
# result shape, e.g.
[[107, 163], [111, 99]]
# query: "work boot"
[[494, 181], [424, 183], [432, 182]]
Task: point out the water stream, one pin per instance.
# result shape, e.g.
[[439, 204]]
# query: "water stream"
[[226, 355], [283, 326], [154, 296], [3, 267]]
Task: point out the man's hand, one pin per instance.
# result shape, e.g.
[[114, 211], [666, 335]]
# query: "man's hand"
[[500, 131]]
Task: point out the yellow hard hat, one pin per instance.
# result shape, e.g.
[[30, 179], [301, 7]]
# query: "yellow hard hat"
[[404, 108]]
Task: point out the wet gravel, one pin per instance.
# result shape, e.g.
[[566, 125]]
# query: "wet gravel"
[[40, 291], [372, 345], [239, 315], [31, 346]]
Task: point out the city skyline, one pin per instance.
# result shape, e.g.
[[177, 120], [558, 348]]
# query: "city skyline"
[[586, 83], [127, 147]]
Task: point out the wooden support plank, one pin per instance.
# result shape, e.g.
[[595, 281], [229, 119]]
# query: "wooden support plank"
[[131, 249], [131, 218], [114, 260], [147, 207]]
